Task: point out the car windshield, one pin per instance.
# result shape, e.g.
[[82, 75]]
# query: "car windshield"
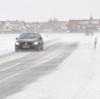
[[28, 35]]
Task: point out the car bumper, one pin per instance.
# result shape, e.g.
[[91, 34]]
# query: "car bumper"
[[27, 46]]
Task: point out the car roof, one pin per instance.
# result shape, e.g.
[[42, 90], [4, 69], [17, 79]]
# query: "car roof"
[[36, 34], [26, 35], [29, 33]]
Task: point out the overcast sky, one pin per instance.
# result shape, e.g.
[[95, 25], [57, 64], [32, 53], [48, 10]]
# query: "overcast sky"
[[42, 10]]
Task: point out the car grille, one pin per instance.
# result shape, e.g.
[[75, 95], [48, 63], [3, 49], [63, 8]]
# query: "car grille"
[[26, 43]]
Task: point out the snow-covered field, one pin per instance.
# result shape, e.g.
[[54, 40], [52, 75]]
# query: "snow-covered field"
[[78, 77]]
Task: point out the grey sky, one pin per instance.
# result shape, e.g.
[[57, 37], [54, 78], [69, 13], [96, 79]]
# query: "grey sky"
[[42, 10]]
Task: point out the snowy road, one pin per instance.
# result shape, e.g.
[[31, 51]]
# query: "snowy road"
[[61, 71], [22, 68]]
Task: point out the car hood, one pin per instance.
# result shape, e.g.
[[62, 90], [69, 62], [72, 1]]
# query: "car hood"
[[27, 40]]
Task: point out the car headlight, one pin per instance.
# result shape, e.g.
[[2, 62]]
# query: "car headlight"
[[35, 43], [17, 43]]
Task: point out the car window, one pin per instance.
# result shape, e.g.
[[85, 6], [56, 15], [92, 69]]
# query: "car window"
[[29, 35]]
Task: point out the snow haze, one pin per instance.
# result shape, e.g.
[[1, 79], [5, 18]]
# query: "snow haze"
[[42, 10]]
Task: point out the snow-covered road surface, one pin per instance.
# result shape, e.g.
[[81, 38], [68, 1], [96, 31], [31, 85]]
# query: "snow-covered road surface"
[[51, 74], [18, 70], [77, 77]]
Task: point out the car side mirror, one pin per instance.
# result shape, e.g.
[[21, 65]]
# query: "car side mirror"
[[16, 38]]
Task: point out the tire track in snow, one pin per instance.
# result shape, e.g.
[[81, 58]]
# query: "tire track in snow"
[[14, 56], [29, 71]]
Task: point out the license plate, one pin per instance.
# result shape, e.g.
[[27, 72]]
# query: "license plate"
[[26, 46]]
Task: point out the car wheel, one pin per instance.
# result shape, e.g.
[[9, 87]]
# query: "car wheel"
[[17, 49], [40, 48]]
